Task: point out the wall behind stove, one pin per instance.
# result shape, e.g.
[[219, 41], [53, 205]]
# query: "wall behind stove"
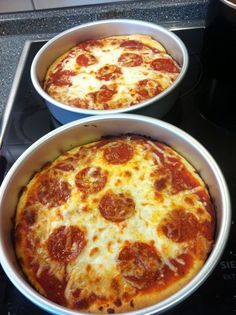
[[31, 5]]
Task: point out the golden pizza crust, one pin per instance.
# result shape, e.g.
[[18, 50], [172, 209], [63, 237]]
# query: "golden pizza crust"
[[145, 39], [143, 300]]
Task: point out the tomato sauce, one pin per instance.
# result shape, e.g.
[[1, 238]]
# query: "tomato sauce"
[[62, 77], [53, 287]]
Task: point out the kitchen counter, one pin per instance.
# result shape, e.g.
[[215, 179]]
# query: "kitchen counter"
[[16, 28]]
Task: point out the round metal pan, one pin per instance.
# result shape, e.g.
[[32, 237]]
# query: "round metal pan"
[[157, 106], [90, 129]]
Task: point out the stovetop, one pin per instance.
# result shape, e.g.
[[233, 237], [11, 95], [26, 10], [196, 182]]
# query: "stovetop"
[[30, 119]]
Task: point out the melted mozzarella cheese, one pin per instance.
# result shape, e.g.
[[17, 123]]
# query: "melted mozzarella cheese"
[[85, 81], [96, 265]]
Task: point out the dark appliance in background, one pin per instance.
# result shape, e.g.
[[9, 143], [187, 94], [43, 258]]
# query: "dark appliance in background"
[[218, 100], [198, 111]]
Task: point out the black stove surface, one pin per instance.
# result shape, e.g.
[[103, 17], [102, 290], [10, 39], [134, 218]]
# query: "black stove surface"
[[30, 119]]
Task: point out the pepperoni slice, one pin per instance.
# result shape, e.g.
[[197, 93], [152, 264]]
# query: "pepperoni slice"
[[116, 207], [86, 60], [118, 153], [53, 287], [180, 266], [180, 226], [182, 180], [132, 44], [164, 64], [105, 93], [51, 191], [86, 302], [108, 72], [91, 179], [29, 216], [136, 45], [130, 60], [66, 243], [61, 77], [66, 165], [175, 178], [86, 45], [148, 88], [139, 263]]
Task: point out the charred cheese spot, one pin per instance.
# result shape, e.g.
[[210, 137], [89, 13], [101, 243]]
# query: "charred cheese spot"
[[95, 238], [189, 200], [200, 211], [85, 208], [86, 302], [160, 184], [109, 246], [159, 196], [94, 251], [127, 174], [110, 311], [118, 182], [29, 216], [118, 302]]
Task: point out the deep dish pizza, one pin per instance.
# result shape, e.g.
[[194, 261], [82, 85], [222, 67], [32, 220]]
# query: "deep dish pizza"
[[114, 225], [111, 73]]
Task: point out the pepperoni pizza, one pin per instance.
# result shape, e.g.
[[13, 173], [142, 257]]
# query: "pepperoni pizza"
[[111, 73], [114, 225]]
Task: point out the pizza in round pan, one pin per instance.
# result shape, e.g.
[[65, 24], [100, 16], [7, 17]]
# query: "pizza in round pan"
[[114, 225], [110, 73]]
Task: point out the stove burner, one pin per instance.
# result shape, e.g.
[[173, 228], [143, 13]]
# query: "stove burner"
[[217, 102], [193, 76], [218, 96], [33, 125], [3, 164], [55, 122]]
